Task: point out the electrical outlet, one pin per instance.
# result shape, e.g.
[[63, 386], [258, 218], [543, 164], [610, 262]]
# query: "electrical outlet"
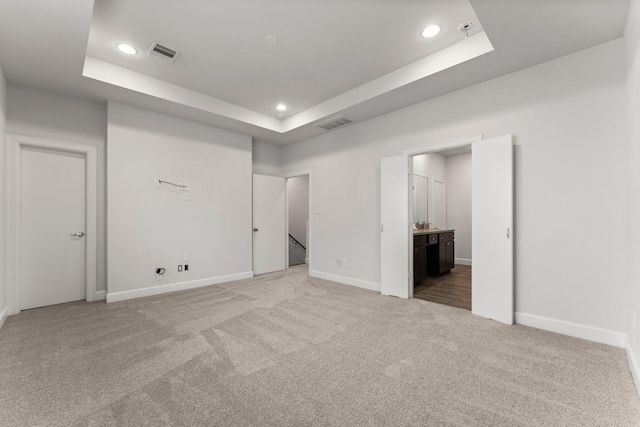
[[180, 268], [186, 267], [186, 195], [345, 262], [156, 182], [186, 256], [338, 262]]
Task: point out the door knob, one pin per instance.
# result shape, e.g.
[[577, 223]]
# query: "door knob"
[[255, 229], [78, 234]]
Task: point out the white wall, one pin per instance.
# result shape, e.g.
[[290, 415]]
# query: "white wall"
[[298, 201], [153, 227], [568, 121], [266, 159], [458, 177], [632, 40], [42, 114], [3, 190], [431, 165]]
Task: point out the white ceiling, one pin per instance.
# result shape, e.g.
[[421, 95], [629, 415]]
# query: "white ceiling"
[[359, 58]]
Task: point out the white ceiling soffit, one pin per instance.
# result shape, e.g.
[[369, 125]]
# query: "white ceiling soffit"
[[460, 52], [321, 64], [340, 68]]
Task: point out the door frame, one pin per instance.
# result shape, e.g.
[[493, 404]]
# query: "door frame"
[[311, 213], [466, 141], [15, 144]]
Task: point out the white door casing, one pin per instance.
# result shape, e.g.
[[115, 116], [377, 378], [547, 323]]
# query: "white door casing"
[[394, 228], [492, 229], [269, 224], [52, 257], [15, 145]]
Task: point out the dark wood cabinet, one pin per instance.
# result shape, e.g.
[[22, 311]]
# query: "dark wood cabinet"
[[433, 254], [419, 258], [445, 255], [441, 256]]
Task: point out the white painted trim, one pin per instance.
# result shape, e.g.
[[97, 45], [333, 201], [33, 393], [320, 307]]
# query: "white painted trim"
[[101, 295], [634, 364], [346, 280], [462, 261], [450, 144], [3, 315], [15, 143], [590, 333], [173, 287]]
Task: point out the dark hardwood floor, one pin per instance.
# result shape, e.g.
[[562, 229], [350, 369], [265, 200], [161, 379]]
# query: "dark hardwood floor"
[[452, 289]]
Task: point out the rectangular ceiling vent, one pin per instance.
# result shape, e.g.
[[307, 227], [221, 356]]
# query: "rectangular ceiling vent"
[[163, 52], [334, 122]]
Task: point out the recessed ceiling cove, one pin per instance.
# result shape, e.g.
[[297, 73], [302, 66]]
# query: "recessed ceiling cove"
[[321, 64]]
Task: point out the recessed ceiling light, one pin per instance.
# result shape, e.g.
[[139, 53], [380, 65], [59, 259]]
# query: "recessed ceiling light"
[[126, 48], [431, 31], [281, 107]]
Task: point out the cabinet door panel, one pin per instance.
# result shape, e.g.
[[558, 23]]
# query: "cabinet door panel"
[[419, 263]]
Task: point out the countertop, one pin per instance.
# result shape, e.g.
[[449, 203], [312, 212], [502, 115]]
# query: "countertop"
[[420, 231]]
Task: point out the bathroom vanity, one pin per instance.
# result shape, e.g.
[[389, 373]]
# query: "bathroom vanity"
[[433, 253]]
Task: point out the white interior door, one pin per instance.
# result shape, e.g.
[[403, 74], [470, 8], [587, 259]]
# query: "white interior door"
[[492, 235], [394, 212], [269, 228], [52, 210], [439, 204]]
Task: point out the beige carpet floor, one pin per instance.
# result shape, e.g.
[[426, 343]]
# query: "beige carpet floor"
[[283, 349]]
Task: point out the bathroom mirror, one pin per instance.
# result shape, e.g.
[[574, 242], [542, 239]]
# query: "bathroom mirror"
[[420, 198]]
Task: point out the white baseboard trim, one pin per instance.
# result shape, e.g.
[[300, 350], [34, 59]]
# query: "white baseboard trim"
[[634, 363], [591, 333], [462, 261], [346, 280], [173, 287], [3, 315]]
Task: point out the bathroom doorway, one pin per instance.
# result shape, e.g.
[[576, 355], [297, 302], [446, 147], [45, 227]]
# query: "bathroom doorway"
[[442, 208], [492, 221]]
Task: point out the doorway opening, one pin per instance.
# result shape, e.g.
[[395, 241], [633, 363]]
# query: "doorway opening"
[[492, 221], [441, 218], [297, 188]]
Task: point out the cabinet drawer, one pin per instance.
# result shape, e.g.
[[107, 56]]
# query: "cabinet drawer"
[[432, 239], [445, 237], [419, 240]]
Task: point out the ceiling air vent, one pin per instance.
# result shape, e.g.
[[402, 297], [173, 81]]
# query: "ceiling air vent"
[[334, 122], [163, 52]]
